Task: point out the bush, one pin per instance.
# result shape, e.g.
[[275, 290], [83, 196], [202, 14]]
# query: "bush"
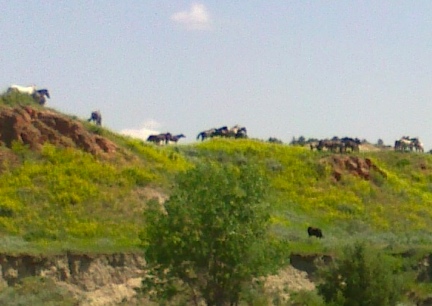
[[362, 277], [212, 237]]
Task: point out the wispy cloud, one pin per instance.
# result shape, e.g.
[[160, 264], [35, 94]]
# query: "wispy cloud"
[[148, 128], [196, 18]]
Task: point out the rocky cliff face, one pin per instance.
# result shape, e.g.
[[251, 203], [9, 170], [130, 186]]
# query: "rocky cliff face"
[[102, 279], [35, 127]]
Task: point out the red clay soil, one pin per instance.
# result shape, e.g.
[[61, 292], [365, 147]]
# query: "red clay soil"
[[353, 165], [34, 127]]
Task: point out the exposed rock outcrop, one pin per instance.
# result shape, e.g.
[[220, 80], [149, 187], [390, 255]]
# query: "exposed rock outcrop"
[[102, 279], [354, 165], [35, 127]]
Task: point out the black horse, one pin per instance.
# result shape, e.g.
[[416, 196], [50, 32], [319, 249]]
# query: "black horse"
[[241, 133], [160, 138], [206, 134], [314, 231], [333, 145], [222, 132], [350, 143], [96, 117], [39, 96], [175, 138]]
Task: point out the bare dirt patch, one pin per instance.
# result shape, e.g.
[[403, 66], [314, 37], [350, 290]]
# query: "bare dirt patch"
[[351, 165]]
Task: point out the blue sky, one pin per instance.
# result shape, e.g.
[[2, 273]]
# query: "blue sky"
[[280, 68]]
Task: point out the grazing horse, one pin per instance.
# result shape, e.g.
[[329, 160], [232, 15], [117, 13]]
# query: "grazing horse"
[[350, 143], [175, 138], [406, 143], [332, 145], [22, 89], [206, 134], [160, 138], [39, 96], [222, 131], [241, 133], [314, 231], [232, 132], [398, 145], [417, 144], [236, 131], [96, 117]]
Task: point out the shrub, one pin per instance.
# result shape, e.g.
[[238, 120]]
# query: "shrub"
[[362, 277], [213, 236]]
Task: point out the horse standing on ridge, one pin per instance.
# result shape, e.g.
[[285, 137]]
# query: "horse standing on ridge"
[[39, 96], [206, 134], [241, 133], [22, 89], [96, 117], [175, 138], [160, 138]]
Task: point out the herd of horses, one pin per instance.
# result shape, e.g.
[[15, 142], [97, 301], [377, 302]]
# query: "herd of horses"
[[164, 138], [336, 144], [347, 144], [408, 144], [234, 132]]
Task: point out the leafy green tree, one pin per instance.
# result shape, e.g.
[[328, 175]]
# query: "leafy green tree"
[[363, 277], [212, 237]]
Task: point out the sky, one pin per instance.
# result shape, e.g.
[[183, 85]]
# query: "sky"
[[280, 68]]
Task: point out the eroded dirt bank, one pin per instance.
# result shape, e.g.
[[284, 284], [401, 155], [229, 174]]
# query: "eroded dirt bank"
[[110, 279], [103, 279]]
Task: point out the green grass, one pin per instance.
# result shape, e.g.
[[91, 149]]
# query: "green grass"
[[387, 211], [67, 197], [72, 200]]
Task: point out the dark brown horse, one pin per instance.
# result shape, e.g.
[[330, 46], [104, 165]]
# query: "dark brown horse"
[[334, 145], [241, 133], [314, 231], [206, 134], [350, 143], [160, 138], [222, 131], [39, 96], [96, 117], [175, 138]]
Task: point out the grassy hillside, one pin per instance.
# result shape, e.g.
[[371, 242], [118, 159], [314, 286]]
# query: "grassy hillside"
[[393, 211], [59, 199]]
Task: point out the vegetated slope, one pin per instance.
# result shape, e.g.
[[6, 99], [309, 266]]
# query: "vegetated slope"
[[383, 197], [67, 184]]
